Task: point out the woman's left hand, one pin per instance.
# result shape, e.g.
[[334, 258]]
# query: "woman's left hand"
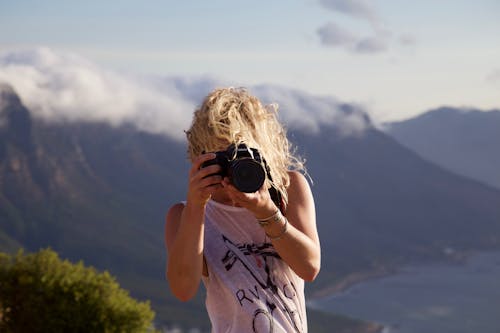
[[259, 203]]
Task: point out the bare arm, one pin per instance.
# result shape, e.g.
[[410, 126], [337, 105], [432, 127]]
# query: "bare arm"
[[184, 231], [299, 247]]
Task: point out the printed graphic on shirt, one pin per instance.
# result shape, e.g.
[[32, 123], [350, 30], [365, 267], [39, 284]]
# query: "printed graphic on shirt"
[[262, 255]]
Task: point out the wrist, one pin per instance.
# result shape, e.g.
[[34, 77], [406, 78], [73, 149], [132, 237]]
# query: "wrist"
[[194, 200], [195, 207], [275, 226], [265, 211], [273, 218]]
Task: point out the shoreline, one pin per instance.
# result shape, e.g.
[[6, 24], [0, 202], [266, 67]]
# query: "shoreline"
[[348, 282], [457, 258], [352, 279]]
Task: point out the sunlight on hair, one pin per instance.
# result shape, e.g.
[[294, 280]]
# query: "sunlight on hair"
[[233, 116]]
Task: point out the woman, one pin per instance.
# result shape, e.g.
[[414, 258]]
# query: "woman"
[[252, 251]]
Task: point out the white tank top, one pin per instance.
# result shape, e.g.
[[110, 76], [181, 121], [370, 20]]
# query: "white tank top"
[[249, 288]]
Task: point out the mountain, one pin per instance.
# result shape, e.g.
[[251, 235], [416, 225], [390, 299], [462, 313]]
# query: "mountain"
[[380, 205], [100, 193], [91, 192], [464, 141]]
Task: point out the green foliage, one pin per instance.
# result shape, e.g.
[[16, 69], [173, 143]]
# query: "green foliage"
[[39, 292]]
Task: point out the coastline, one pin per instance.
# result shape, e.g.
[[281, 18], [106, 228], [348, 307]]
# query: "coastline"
[[342, 286], [346, 283], [451, 256], [350, 280]]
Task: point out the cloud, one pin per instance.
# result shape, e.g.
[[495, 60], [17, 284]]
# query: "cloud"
[[332, 35], [371, 45], [66, 87], [494, 76], [309, 113], [356, 8], [63, 87]]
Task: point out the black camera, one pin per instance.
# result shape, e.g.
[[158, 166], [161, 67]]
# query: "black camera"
[[243, 165]]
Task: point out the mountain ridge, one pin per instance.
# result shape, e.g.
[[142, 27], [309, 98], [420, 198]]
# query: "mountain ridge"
[[462, 140], [104, 191]]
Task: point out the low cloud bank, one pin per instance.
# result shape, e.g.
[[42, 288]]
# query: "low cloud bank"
[[66, 87], [63, 87], [309, 113]]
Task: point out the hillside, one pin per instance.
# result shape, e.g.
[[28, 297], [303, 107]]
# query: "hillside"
[[464, 141], [99, 193], [380, 205]]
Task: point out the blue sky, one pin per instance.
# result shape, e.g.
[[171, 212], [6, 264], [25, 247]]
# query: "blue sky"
[[396, 58]]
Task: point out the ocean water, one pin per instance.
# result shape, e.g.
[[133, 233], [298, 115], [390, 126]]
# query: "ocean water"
[[428, 299]]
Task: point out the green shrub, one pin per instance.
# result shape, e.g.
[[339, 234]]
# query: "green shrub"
[[39, 292]]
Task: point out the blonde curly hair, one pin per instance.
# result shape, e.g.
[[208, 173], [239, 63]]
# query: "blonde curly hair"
[[233, 116]]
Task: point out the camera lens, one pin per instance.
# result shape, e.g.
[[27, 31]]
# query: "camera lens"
[[247, 175]]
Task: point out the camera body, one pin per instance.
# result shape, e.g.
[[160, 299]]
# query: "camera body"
[[243, 165]]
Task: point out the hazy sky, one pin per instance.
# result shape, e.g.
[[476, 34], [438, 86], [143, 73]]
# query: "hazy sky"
[[396, 58]]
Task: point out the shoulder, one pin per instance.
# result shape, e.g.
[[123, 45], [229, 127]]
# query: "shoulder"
[[301, 210], [298, 183], [296, 176], [299, 192], [175, 211], [172, 221]]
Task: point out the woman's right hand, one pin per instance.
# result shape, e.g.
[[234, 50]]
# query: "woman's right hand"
[[184, 230], [203, 182]]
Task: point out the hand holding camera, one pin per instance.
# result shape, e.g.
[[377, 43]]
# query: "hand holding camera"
[[243, 166]]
